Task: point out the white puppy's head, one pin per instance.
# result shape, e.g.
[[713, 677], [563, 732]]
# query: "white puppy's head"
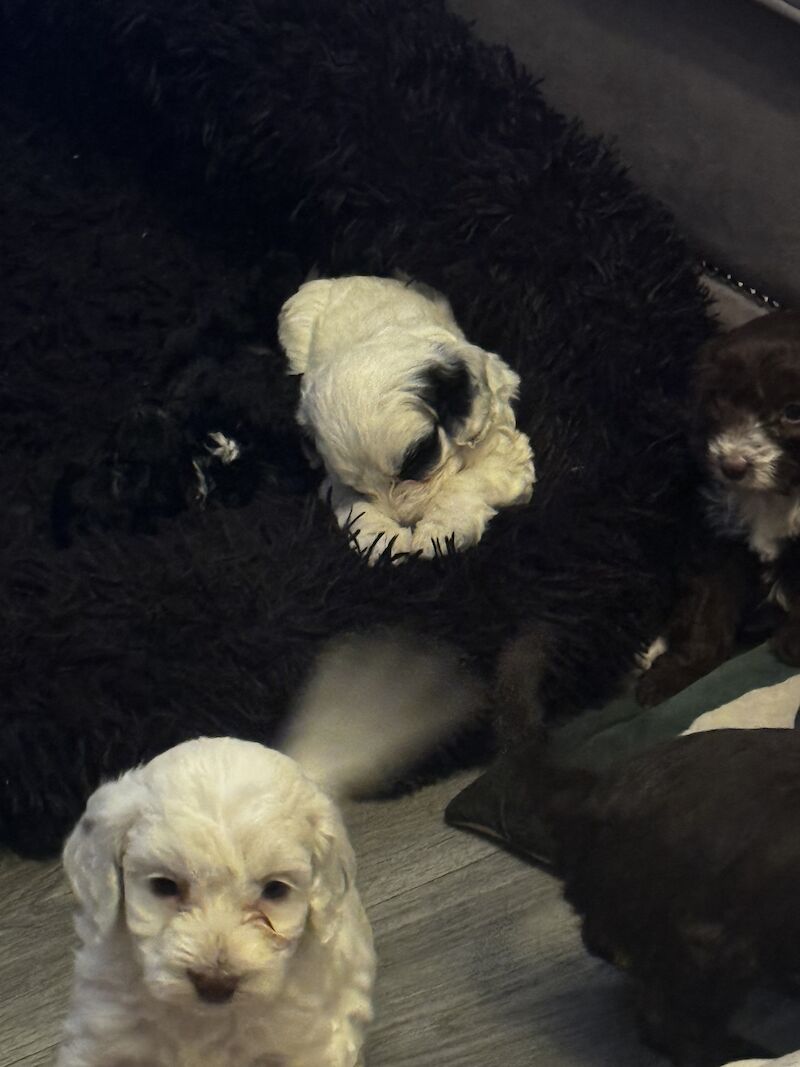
[[409, 426], [395, 398], [219, 858]]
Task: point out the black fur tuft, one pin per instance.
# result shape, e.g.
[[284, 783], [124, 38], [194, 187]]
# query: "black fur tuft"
[[448, 390]]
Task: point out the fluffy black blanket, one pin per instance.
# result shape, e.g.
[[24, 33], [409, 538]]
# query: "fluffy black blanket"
[[169, 172]]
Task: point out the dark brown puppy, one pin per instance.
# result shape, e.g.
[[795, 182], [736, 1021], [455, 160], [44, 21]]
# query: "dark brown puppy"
[[683, 864], [746, 424]]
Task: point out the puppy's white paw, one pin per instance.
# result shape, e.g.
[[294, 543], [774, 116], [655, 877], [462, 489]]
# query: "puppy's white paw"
[[432, 539], [645, 660], [372, 539], [370, 532], [508, 469]]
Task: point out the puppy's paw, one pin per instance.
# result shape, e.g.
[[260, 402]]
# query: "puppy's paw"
[[643, 661], [786, 642], [373, 541], [521, 474], [369, 531], [431, 539]]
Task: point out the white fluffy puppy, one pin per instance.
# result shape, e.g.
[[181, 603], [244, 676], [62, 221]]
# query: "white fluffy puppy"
[[413, 423], [218, 915]]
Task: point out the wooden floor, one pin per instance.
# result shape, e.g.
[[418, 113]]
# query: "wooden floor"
[[480, 960]]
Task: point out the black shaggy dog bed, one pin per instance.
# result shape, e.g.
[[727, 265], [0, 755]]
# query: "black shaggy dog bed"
[[169, 173]]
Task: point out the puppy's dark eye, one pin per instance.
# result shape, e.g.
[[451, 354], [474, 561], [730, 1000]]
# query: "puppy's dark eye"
[[275, 890], [421, 458], [164, 887], [791, 413]]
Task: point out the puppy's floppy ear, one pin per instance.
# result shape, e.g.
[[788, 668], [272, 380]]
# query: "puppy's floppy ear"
[[494, 386], [93, 852], [334, 867], [448, 389], [297, 320]]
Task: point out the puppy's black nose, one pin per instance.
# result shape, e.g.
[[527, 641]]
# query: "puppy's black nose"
[[213, 986], [734, 467]]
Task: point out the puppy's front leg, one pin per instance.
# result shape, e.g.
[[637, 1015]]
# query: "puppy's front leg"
[[458, 517], [501, 476], [701, 631], [371, 532]]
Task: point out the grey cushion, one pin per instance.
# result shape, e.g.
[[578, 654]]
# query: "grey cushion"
[[703, 99]]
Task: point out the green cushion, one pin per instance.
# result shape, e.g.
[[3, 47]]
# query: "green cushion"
[[598, 739]]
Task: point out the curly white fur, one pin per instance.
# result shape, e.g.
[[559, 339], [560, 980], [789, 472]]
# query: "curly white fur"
[[218, 915], [221, 819], [366, 348]]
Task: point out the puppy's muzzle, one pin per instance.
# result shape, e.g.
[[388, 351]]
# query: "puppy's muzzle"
[[214, 987]]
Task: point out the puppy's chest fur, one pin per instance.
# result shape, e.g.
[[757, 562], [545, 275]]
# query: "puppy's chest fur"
[[169, 1039], [764, 521]]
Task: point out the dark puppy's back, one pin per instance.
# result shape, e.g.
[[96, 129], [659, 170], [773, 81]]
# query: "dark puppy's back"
[[698, 837]]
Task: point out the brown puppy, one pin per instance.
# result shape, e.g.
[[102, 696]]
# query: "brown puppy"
[[683, 863], [746, 425]]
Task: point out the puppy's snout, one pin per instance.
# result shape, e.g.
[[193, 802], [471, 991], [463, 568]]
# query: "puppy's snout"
[[734, 467], [213, 986]]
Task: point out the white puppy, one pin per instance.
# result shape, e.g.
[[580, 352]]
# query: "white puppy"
[[218, 915], [413, 423]]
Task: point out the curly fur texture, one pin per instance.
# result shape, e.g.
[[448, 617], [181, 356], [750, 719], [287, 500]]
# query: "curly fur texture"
[[219, 920], [170, 183]]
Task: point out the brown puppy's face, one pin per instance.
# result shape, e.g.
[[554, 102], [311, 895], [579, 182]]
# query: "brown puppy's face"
[[747, 404]]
